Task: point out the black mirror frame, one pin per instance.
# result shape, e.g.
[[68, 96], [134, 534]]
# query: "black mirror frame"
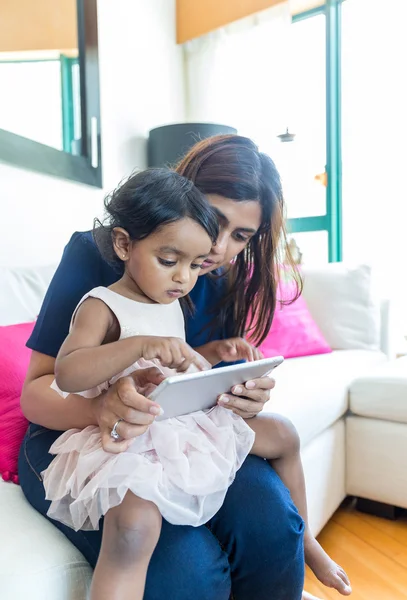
[[86, 168]]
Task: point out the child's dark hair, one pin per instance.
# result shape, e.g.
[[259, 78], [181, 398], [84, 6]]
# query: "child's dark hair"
[[147, 201]]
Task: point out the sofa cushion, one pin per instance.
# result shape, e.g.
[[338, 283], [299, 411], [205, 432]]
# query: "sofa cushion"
[[342, 300], [382, 394], [38, 561], [14, 359], [312, 391], [293, 332], [22, 293]]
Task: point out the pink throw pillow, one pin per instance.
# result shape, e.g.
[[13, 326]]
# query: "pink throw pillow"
[[14, 359], [294, 332]]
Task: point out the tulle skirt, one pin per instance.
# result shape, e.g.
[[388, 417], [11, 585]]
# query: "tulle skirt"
[[184, 465]]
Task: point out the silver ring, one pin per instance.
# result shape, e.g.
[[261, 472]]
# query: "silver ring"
[[114, 433]]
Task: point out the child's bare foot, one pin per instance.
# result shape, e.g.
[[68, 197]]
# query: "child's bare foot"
[[324, 568]]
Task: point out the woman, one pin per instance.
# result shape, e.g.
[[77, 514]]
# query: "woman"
[[253, 547]]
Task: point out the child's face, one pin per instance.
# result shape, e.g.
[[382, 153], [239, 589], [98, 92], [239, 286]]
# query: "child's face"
[[165, 266]]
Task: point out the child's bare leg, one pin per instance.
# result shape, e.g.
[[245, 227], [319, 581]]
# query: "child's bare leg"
[[130, 534], [277, 440]]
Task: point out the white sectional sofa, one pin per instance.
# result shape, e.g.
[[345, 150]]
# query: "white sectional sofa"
[[37, 562]]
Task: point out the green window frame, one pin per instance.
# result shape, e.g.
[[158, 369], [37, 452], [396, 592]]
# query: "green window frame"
[[68, 131], [331, 222]]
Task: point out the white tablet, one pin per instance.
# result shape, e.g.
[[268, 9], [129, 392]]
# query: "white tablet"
[[183, 394]]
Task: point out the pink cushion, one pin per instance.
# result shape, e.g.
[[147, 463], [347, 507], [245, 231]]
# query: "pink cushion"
[[14, 359], [293, 332]]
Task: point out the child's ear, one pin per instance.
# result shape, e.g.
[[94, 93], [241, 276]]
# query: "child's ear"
[[121, 243]]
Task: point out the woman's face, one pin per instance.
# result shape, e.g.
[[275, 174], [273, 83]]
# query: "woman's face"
[[238, 223]]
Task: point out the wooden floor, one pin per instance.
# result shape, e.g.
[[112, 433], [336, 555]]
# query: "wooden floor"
[[372, 551]]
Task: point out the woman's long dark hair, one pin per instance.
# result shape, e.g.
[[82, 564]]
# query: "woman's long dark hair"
[[232, 166], [147, 201]]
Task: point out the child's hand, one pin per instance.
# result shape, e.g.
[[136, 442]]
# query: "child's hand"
[[173, 353], [236, 349]]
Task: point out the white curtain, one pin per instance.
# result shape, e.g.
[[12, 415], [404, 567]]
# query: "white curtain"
[[374, 139], [239, 75]]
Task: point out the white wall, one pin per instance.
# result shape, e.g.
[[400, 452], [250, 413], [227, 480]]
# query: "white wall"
[[141, 78]]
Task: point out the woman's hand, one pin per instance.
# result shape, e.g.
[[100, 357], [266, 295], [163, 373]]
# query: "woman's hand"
[[123, 400], [230, 350], [248, 401]]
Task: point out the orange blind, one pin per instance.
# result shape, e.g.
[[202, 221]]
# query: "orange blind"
[[197, 17], [27, 25]]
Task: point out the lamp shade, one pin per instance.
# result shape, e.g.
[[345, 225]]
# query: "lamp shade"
[[169, 143]]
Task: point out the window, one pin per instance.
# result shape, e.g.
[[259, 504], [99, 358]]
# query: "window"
[[311, 164], [304, 158], [47, 109], [314, 178], [268, 72]]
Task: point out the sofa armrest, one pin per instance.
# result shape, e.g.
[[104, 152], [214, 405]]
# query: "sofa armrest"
[[385, 328], [391, 338]]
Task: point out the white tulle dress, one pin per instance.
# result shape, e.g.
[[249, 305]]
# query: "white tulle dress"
[[184, 465]]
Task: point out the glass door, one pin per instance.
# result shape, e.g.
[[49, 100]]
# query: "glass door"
[[303, 161], [309, 158]]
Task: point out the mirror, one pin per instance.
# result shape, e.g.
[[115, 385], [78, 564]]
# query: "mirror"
[[49, 100]]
